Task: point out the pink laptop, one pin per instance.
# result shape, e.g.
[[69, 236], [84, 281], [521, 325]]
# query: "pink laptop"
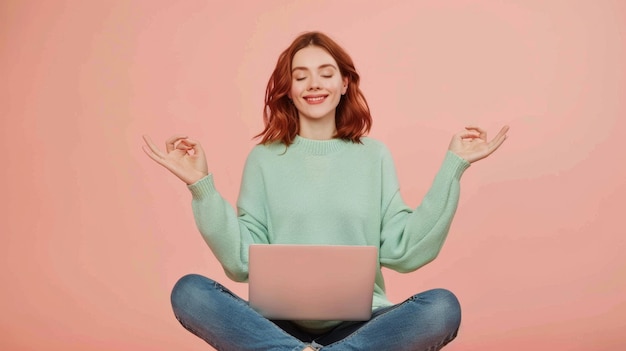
[[312, 282]]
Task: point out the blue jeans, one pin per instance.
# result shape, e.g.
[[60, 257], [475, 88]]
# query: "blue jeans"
[[424, 322]]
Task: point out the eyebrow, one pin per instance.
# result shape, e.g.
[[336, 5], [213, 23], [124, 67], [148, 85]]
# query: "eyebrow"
[[320, 67]]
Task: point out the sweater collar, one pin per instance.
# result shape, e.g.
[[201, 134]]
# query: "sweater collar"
[[319, 147]]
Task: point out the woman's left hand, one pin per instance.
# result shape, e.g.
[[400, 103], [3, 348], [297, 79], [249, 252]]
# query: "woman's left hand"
[[472, 145]]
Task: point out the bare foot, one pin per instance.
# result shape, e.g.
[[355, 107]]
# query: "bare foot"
[[308, 348]]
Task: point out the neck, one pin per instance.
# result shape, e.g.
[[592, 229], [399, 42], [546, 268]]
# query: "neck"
[[322, 129]]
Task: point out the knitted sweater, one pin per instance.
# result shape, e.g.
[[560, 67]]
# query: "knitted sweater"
[[328, 192]]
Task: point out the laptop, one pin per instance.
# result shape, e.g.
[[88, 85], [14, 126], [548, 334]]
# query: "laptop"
[[312, 282]]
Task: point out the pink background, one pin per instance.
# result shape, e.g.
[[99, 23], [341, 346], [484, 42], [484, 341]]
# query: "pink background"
[[94, 234]]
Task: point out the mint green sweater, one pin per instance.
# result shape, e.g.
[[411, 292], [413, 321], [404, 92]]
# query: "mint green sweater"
[[328, 192]]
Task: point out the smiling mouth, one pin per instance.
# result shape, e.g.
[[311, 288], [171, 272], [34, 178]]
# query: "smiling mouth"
[[315, 99]]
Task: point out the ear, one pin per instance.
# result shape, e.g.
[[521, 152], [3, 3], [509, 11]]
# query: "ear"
[[345, 85]]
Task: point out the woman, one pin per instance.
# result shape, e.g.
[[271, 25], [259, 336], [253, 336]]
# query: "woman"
[[316, 179]]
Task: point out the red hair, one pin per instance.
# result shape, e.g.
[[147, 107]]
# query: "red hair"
[[352, 118]]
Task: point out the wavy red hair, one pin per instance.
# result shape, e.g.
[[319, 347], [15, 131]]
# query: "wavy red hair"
[[353, 119]]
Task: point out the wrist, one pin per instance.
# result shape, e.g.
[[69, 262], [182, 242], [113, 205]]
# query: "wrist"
[[195, 178]]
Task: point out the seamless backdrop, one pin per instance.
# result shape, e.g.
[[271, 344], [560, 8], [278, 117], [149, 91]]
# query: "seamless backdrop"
[[93, 234]]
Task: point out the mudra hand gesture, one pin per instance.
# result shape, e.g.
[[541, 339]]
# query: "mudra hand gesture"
[[471, 144], [183, 157]]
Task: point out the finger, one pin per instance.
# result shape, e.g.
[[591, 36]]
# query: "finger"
[[170, 144], [188, 142], [500, 137], [152, 146], [468, 134], [181, 145], [503, 131], [494, 144], [482, 132], [195, 146], [152, 155]]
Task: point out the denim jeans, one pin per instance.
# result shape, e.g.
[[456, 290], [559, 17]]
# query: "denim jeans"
[[424, 322]]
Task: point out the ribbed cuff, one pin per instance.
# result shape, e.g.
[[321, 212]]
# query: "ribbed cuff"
[[455, 164], [202, 187]]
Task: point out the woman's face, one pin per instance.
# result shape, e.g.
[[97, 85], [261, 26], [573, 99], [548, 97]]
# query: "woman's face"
[[316, 84]]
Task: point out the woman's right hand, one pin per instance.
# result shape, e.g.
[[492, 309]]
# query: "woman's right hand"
[[183, 157]]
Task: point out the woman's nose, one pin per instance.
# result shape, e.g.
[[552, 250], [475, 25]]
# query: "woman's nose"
[[314, 83]]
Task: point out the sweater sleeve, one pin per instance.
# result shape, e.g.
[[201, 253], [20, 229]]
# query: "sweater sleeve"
[[227, 232], [412, 238]]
